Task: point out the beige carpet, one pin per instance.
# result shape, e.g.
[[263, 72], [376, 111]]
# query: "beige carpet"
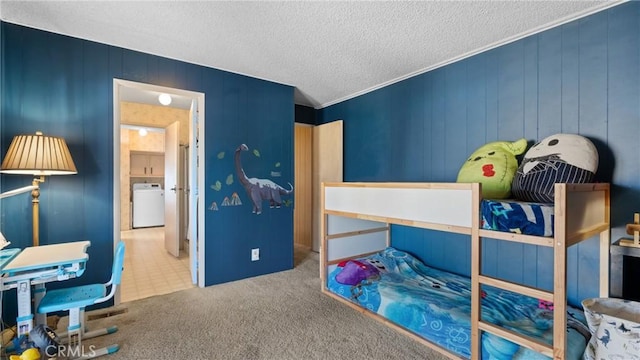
[[276, 316]]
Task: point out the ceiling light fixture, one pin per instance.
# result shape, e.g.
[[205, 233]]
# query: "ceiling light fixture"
[[142, 132], [165, 99]]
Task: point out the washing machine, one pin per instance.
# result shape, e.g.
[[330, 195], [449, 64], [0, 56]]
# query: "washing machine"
[[148, 205]]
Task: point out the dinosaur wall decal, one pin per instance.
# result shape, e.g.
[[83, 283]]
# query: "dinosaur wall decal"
[[259, 189]]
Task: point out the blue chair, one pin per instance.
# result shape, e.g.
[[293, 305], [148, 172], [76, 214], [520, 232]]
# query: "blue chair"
[[76, 299]]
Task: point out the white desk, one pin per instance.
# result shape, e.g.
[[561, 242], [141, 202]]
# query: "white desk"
[[38, 265]]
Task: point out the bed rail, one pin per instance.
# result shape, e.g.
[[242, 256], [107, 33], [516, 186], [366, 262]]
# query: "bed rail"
[[403, 203]]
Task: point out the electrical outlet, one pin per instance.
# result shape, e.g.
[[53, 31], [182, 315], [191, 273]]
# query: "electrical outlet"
[[255, 254]]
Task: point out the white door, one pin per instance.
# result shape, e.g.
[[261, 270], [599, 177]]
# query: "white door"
[[192, 193], [171, 188], [327, 166]]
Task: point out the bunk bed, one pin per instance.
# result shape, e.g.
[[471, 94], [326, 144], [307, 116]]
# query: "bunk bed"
[[356, 222]]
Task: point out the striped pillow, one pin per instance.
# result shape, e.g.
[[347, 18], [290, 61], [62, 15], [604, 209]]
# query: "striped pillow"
[[560, 158]]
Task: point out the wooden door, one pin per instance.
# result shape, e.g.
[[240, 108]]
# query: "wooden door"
[[327, 166], [303, 189]]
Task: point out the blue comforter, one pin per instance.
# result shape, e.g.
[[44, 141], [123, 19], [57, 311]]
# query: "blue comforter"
[[437, 306]]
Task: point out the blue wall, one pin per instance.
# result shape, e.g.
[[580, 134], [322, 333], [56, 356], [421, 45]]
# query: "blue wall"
[[582, 77], [63, 86]]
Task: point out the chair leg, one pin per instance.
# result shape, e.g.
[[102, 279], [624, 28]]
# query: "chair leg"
[[76, 333], [92, 333], [88, 334], [94, 353], [75, 328]]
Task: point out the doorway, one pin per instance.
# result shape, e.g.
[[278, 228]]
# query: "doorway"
[[318, 158], [149, 260]]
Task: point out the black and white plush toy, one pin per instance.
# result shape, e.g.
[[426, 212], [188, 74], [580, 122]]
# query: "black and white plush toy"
[[560, 158]]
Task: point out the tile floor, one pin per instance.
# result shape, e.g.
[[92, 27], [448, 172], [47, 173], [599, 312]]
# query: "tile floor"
[[148, 268]]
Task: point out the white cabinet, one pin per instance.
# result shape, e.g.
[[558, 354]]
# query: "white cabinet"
[[147, 164]]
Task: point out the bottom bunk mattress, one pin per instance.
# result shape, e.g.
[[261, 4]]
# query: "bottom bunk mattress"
[[436, 305]]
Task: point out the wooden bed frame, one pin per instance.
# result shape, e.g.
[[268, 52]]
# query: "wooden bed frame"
[[356, 222]]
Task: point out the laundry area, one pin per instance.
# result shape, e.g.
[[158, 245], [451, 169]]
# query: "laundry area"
[[142, 177], [148, 205]]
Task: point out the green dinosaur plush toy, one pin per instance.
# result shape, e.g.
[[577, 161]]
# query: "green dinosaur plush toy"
[[494, 166]]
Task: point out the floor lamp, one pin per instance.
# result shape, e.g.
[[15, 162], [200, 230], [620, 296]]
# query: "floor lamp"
[[40, 156]]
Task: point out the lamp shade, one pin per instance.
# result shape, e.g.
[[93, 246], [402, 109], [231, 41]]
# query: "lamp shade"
[[38, 155]]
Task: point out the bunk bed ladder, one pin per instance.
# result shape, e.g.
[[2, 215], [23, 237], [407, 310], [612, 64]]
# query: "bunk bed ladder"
[[523, 340], [558, 296]]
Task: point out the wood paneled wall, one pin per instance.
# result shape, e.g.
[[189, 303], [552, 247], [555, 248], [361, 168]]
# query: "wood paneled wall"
[[63, 86], [582, 77]]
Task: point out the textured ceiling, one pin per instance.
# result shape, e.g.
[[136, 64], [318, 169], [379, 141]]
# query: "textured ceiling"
[[329, 50]]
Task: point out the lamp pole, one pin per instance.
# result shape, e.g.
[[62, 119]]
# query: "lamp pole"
[[35, 204]]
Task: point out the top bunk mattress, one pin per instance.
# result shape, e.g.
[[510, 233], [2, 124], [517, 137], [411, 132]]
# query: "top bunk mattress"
[[517, 217]]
